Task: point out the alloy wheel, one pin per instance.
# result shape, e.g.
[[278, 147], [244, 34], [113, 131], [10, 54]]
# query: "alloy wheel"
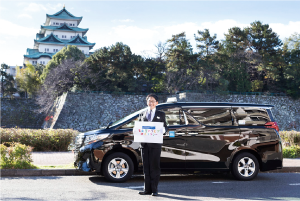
[[118, 168], [246, 167]]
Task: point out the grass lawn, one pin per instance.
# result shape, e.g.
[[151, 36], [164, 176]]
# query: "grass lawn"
[[68, 166]]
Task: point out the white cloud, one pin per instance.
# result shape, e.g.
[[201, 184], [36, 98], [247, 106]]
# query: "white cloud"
[[140, 39], [25, 16], [127, 20], [2, 8], [143, 39], [221, 27], [12, 29], [285, 30], [56, 7], [191, 28], [35, 7]]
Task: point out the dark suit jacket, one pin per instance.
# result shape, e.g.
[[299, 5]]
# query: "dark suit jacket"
[[159, 116]]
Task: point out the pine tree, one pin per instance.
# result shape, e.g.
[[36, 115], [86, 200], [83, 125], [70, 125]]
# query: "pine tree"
[[7, 82]]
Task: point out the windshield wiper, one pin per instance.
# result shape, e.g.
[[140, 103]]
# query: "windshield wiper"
[[110, 123]]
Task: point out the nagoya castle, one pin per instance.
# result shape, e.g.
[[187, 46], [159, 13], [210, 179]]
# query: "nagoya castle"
[[60, 30]]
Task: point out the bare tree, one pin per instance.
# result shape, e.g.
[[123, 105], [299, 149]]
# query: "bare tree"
[[67, 75], [184, 78], [161, 49]]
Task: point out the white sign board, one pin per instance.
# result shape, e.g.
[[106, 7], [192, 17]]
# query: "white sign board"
[[148, 132]]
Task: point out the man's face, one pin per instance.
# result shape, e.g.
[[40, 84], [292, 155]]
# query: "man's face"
[[152, 103]]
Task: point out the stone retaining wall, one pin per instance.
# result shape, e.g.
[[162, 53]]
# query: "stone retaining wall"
[[87, 111], [20, 113]]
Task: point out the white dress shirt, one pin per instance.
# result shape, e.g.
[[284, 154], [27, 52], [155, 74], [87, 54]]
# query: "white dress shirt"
[[152, 113]]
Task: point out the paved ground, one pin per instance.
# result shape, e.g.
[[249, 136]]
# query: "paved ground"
[[267, 186], [64, 158], [52, 158]]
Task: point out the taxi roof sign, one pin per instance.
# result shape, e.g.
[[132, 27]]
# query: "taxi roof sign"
[[172, 100]]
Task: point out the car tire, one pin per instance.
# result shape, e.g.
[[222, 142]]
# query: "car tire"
[[118, 167], [245, 166]]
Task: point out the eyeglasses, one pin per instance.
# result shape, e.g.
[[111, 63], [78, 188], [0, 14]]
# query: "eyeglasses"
[[151, 101]]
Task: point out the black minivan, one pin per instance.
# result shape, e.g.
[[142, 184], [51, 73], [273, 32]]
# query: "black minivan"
[[237, 137]]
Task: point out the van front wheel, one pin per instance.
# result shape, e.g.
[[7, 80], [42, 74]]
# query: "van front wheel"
[[118, 167]]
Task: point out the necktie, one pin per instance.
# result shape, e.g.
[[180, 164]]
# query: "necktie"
[[149, 115]]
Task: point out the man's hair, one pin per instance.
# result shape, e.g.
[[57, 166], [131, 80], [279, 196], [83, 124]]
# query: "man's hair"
[[153, 96]]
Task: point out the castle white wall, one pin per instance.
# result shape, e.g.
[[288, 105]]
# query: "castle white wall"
[[12, 71], [84, 49], [71, 23], [60, 34], [51, 47], [41, 60], [29, 60]]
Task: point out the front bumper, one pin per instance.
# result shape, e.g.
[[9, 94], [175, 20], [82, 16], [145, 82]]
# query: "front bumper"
[[85, 159]]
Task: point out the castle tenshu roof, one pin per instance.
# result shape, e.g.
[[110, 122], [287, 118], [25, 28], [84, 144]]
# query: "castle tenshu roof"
[[52, 39], [64, 27], [35, 54], [63, 14]]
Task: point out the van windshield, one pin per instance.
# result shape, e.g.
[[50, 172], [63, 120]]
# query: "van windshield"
[[121, 121]]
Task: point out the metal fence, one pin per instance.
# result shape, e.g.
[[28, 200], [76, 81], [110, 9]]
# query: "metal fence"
[[236, 93], [120, 93]]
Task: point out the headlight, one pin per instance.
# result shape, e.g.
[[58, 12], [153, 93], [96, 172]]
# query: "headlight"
[[94, 138], [79, 139]]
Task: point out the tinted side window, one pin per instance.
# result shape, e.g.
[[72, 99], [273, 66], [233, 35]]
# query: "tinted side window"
[[212, 116], [190, 119], [251, 116], [174, 116]]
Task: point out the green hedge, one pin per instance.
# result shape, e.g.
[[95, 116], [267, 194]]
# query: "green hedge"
[[290, 142], [291, 152], [290, 138], [60, 139], [40, 140]]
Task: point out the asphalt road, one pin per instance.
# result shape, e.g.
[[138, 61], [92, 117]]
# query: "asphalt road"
[[267, 186]]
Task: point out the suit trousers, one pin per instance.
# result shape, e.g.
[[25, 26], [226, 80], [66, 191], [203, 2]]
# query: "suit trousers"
[[151, 166]]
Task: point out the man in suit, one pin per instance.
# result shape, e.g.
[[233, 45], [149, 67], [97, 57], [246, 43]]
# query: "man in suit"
[[151, 151]]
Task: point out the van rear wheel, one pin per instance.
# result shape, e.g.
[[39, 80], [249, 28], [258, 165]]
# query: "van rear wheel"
[[245, 167], [118, 167]]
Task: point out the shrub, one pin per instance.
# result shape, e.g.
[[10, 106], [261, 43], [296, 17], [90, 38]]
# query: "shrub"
[[40, 140], [291, 152], [17, 156], [290, 138]]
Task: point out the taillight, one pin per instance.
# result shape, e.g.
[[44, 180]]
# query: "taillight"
[[272, 125]]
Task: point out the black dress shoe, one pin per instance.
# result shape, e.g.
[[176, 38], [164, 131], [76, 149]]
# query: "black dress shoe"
[[155, 194], [144, 193]]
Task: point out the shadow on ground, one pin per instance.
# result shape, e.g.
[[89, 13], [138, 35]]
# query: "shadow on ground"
[[270, 186]]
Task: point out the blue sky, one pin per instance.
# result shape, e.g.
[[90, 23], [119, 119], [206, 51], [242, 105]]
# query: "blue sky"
[[140, 24]]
